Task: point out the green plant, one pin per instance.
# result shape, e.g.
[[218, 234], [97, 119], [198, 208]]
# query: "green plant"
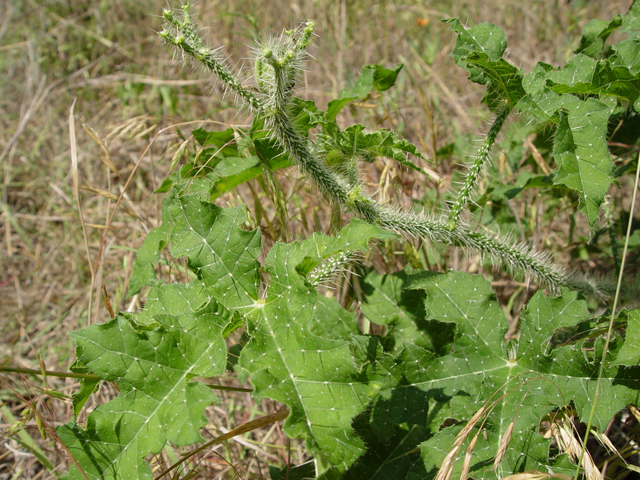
[[369, 406]]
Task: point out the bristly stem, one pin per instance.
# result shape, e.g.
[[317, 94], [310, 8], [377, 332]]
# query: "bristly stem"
[[329, 267], [482, 158], [277, 66], [187, 39]]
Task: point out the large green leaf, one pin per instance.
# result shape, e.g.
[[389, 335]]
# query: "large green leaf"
[[580, 144], [566, 97], [362, 410], [218, 250], [372, 77], [525, 381], [152, 356], [148, 255], [315, 377]]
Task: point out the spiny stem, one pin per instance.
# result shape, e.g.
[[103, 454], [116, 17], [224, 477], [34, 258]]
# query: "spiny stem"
[[480, 161], [276, 70], [187, 39], [278, 64], [328, 268], [515, 255]]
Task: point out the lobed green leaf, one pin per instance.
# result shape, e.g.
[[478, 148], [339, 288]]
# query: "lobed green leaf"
[[315, 377], [373, 77], [153, 357]]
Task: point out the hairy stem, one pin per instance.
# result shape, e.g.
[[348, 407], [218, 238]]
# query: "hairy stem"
[[327, 270], [183, 35], [479, 163], [276, 69]]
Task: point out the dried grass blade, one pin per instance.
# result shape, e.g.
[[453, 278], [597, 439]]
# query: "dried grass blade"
[[446, 468], [102, 193], [535, 475], [466, 465], [563, 434], [504, 444], [106, 158], [76, 194]]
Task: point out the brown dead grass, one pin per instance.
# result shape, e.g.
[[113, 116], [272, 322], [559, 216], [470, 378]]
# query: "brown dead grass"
[[107, 59]]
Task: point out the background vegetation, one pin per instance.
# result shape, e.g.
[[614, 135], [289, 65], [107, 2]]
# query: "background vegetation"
[[127, 89]]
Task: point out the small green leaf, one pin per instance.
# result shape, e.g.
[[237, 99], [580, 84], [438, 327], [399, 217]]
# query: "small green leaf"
[[224, 141], [222, 185], [503, 80], [355, 142], [483, 38], [304, 471], [226, 262], [524, 181], [595, 33], [165, 186], [626, 54], [373, 77], [354, 237], [265, 151], [233, 166], [479, 50], [87, 387]]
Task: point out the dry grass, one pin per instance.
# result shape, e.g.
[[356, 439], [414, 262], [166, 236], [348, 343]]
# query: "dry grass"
[[59, 193]]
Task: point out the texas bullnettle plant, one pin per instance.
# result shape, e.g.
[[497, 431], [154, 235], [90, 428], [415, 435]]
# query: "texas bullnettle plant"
[[442, 392], [278, 64]]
